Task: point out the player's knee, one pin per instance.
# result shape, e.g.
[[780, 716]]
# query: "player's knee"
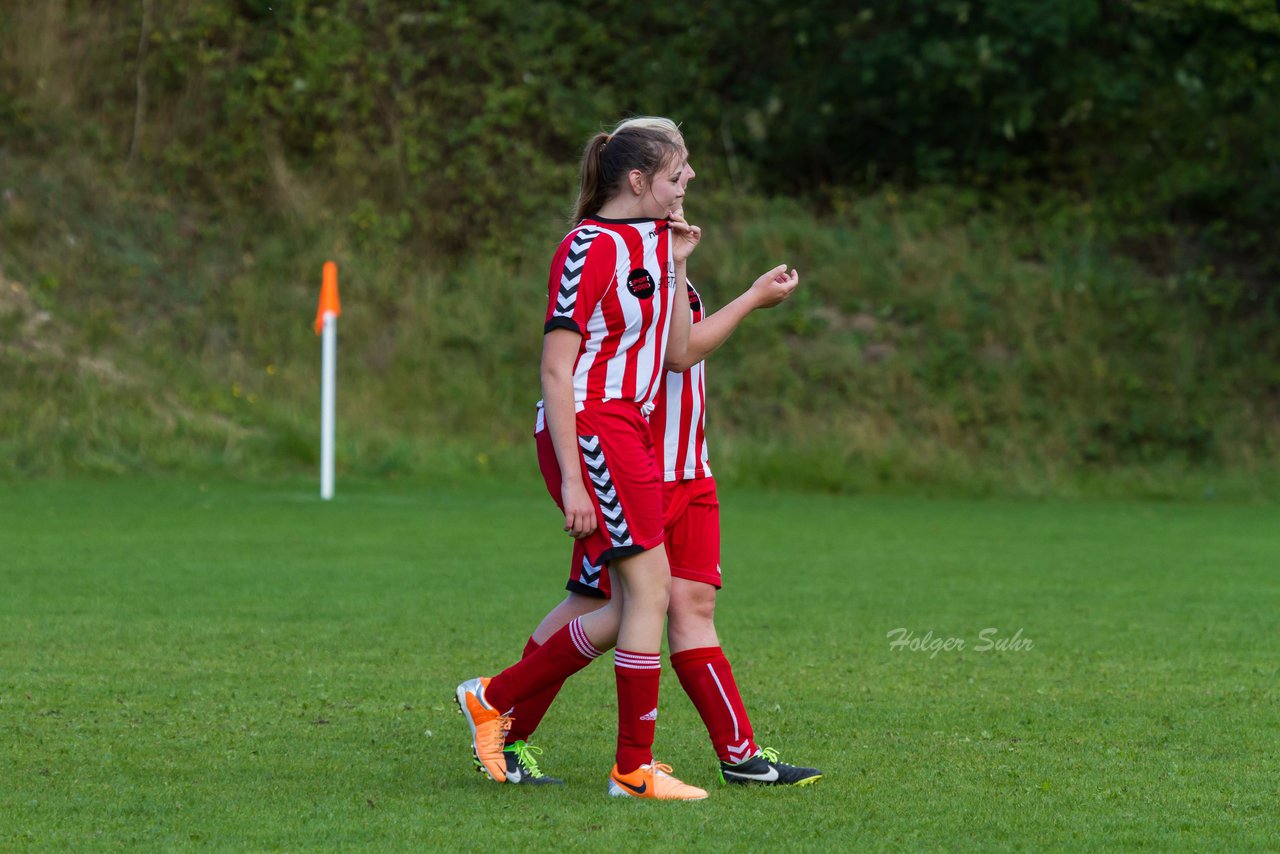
[[657, 591], [653, 589], [693, 603], [647, 580]]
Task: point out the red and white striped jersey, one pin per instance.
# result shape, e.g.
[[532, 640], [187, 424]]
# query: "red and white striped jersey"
[[678, 423], [612, 281]]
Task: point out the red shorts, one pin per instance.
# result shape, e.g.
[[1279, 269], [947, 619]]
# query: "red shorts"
[[691, 520], [619, 469]]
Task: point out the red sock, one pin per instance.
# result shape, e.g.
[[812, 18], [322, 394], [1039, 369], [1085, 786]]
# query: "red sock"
[[564, 654], [706, 677], [637, 674], [529, 713]]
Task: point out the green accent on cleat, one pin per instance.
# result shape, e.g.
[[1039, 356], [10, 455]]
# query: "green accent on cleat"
[[764, 769], [522, 765]]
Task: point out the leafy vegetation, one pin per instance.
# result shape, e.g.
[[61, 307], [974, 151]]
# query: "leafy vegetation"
[[1035, 240]]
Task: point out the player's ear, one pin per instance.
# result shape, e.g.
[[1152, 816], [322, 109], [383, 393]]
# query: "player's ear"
[[637, 181]]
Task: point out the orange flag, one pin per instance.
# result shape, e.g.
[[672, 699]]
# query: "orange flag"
[[328, 295]]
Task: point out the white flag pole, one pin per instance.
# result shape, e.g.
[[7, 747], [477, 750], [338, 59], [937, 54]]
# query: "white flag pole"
[[328, 393], [327, 328]]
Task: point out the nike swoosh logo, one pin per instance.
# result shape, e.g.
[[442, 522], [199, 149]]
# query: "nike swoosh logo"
[[644, 787], [767, 777]]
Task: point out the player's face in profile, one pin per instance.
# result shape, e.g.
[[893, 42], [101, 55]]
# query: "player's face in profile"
[[667, 192], [687, 174]]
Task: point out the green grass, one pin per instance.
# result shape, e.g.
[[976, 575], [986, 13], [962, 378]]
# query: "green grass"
[[222, 665]]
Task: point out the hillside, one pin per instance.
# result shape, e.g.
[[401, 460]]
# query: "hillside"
[[1017, 274]]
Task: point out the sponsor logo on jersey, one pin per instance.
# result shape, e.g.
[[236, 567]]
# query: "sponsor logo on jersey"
[[695, 304], [640, 283]]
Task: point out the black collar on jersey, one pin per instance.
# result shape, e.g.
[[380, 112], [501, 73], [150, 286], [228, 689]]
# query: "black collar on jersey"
[[635, 221]]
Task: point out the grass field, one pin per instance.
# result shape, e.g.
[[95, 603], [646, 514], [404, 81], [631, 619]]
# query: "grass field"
[[222, 665]]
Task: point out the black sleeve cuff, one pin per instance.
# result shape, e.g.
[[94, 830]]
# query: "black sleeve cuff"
[[561, 323]]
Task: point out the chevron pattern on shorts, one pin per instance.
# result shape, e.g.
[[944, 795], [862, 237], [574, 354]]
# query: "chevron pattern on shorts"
[[610, 505], [590, 574], [571, 276]]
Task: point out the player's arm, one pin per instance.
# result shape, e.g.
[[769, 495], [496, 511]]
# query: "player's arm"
[[559, 352], [707, 335], [684, 239]]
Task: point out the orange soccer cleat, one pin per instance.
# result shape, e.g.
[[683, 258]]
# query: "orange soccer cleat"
[[488, 727], [652, 781]]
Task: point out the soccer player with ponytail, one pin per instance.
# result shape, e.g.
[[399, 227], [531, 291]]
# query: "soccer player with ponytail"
[[692, 532], [617, 319], [692, 527]]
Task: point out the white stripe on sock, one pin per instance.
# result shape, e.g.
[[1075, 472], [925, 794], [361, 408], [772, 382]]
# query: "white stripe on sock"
[[637, 661], [580, 640], [725, 697]]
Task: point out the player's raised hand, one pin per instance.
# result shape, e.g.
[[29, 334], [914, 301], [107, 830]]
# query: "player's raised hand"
[[685, 238], [774, 286]]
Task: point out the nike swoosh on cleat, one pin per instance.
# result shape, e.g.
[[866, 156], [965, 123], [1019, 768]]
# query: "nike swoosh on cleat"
[[769, 776], [644, 787]]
